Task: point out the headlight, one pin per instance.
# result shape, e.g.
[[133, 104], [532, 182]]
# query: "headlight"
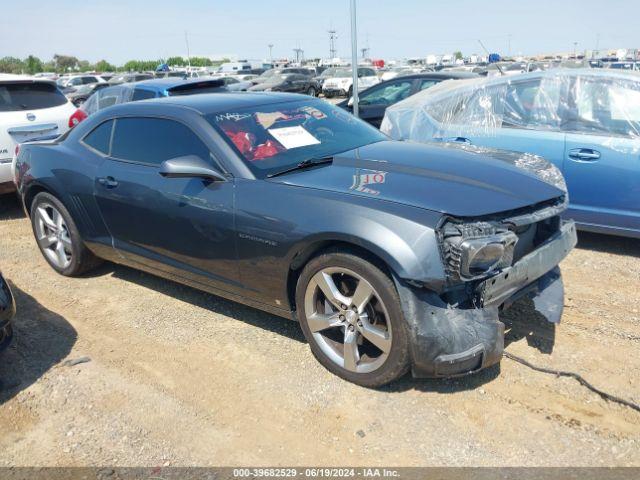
[[472, 251], [485, 254]]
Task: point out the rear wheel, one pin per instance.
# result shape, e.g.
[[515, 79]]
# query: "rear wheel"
[[58, 238], [311, 92], [350, 313]]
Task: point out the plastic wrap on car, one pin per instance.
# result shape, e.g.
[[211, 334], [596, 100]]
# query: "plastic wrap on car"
[[107, 97], [529, 162], [481, 107]]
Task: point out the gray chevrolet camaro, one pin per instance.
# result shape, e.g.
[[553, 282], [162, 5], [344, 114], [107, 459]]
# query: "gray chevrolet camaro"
[[391, 255]]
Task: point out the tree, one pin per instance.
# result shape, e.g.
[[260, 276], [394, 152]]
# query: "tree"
[[458, 55], [201, 62], [32, 65], [104, 66], [11, 65], [141, 65], [84, 66], [176, 61], [64, 63]]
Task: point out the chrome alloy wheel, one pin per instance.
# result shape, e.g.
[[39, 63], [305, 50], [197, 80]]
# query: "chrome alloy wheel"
[[348, 320], [53, 235]]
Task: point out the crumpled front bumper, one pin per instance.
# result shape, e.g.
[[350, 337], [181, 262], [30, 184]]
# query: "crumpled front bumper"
[[453, 341]]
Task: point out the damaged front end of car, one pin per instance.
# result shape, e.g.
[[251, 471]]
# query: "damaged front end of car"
[[490, 263]]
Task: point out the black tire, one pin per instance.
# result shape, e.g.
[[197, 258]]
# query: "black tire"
[[311, 92], [397, 362], [82, 260], [328, 95], [350, 92]]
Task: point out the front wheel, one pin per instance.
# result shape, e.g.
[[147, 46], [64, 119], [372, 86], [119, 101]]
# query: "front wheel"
[[311, 92], [350, 313], [58, 238]]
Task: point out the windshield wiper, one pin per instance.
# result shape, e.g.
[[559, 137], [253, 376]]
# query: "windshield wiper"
[[312, 162]]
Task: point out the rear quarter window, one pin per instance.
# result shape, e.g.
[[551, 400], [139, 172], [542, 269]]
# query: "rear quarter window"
[[15, 97], [100, 137]]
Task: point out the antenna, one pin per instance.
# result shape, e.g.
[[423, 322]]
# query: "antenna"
[[488, 54]]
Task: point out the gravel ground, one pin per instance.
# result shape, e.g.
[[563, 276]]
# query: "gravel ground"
[[179, 377]]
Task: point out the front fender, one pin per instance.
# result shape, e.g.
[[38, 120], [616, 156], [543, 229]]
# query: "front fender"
[[409, 249]]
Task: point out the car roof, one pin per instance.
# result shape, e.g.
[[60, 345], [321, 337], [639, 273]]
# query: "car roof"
[[208, 103], [167, 83], [442, 75], [9, 77]]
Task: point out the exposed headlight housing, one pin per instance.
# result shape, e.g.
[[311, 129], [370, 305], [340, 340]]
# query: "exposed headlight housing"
[[472, 251]]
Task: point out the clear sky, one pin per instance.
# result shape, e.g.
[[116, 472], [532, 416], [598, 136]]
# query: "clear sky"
[[120, 30]]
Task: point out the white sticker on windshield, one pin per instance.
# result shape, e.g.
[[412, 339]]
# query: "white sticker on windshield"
[[293, 137]]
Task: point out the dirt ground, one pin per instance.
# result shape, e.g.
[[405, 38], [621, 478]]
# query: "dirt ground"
[[180, 377]]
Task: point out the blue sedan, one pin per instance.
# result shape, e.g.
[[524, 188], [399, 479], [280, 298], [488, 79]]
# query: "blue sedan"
[[586, 122]]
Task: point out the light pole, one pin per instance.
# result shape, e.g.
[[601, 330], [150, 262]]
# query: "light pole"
[[354, 57], [271, 53], [575, 50]]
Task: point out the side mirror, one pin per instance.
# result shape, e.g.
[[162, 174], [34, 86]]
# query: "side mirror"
[[190, 166]]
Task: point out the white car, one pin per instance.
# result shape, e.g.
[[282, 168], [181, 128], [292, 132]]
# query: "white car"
[[341, 84], [79, 80], [29, 108]]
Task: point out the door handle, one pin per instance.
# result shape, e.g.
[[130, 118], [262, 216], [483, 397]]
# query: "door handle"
[[108, 182], [584, 154]]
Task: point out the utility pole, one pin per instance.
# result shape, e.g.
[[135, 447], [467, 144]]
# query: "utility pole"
[[332, 43], [299, 54], [186, 39], [509, 45], [270, 52], [354, 58], [365, 50], [575, 50]]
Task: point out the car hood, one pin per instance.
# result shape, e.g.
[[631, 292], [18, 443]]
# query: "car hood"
[[440, 178]]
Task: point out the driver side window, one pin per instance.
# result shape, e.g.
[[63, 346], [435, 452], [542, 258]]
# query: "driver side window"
[[151, 141], [388, 94]]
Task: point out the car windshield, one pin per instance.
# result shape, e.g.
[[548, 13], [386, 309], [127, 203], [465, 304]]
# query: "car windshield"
[[274, 137], [329, 72], [278, 78], [269, 73], [343, 73], [29, 96]]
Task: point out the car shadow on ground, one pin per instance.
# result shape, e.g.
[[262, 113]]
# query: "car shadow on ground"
[[42, 339], [10, 208], [609, 244], [280, 326], [213, 303], [523, 321]]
